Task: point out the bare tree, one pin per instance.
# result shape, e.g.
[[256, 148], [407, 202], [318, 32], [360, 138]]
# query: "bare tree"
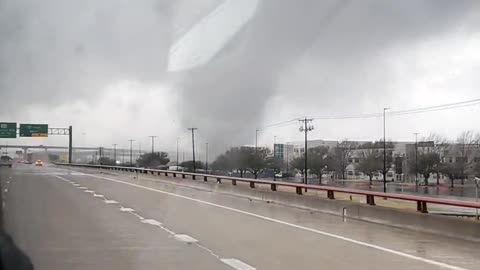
[[441, 147], [468, 143], [256, 159], [342, 153], [426, 164], [371, 162], [318, 161]]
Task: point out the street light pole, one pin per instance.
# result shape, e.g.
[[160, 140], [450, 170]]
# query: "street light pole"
[[206, 158], [416, 158], [153, 143], [477, 181], [115, 153], [256, 139], [193, 146], [177, 156], [131, 153], [384, 151]]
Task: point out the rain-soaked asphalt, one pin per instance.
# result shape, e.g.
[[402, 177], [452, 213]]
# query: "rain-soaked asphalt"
[[84, 219]]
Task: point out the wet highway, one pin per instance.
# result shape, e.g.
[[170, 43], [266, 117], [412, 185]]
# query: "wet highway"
[[84, 219]]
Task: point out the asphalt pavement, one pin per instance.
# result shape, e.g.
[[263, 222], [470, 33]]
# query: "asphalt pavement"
[[85, 219]]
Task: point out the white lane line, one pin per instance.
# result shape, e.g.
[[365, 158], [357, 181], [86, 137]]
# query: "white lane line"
[[75, 184], [237, 264], [6, 190], [82, 187], [137, 215], [126, 209], [185, 238], [208, 250], [151, 222], [89, 191], [387, 250], [110, 202], [98, 195]]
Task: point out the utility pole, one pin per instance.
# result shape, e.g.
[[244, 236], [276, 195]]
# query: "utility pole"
[[274, 159], [288, 176], [70, 144], [384, 151], [139, 149], [153, 143], [416, 158], [206, 158], [131, 153], [193, 146], [256, 139], [305, 127], [177, 156], [115, 153]]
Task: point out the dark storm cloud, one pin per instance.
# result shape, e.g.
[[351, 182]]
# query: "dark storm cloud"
[[53, 52], [227, 97]]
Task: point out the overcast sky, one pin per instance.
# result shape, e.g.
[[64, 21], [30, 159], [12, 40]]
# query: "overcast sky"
[[117, 69]]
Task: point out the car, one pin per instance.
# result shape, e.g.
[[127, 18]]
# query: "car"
[[6, 161], [38, 163]]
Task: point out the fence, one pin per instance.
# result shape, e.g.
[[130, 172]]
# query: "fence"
[[421, 201]]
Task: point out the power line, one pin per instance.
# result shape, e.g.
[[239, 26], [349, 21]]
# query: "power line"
[[435, 108], [442, 107], [280, 124]]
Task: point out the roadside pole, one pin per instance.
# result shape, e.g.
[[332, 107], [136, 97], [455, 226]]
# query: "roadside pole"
[[477, 180]]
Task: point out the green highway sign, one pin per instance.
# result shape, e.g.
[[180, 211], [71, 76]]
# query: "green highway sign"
[[8, 130], [33, 130]]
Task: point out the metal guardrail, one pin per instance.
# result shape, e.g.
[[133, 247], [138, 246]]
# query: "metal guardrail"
[[370, 195]]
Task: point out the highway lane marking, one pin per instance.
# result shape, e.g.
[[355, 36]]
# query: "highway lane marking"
[[237, 264], [110, 202], [89, 191], [185, 238], [346, 239], [151, 222], [82, 187], [98, 195]]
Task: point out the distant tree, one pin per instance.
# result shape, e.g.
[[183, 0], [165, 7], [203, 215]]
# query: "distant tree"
[[256, 159], [153, 160], [276, 164], [370, 163], [427, 163], [453, 171], [476, 169], [106, 161], [468, 143], [317, 161], [222, 163], [441, 147], [298, 164], [234, 159], [188, 165], [376, 149], [53, 157], [341, 154]]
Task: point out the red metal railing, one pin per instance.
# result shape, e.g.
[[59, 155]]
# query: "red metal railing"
[[370, 195]]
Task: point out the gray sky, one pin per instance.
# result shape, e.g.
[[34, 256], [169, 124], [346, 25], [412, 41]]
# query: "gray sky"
[[101, 66]]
